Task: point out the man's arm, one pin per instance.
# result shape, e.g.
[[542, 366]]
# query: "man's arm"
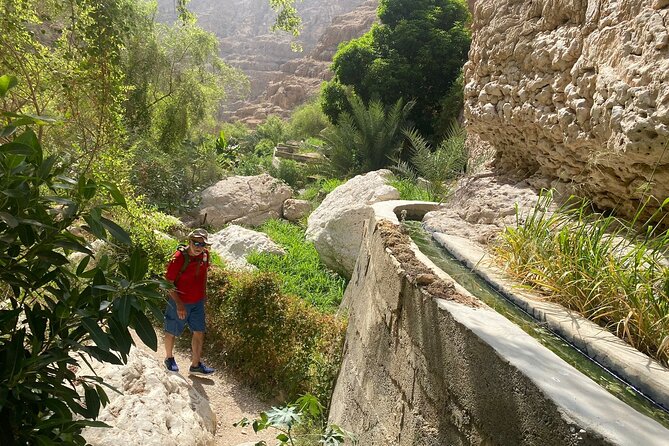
[[173, 271]]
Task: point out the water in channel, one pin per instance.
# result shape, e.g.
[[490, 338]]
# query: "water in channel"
[[477, 286]]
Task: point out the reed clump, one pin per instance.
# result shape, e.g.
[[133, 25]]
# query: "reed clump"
[[614, 272]]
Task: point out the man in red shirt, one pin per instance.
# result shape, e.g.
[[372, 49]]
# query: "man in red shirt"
[[188, 271]]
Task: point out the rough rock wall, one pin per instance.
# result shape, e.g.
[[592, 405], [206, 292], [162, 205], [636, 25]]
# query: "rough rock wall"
[[575, 92]]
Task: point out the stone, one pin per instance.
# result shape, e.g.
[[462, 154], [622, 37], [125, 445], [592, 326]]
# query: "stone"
[[244, 200], [155, 407], [294, 210], [598, 68], [234, 243], [336, 225]]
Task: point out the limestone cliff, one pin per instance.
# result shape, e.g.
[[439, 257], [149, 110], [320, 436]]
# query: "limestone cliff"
[[280, 78], [574, 92]]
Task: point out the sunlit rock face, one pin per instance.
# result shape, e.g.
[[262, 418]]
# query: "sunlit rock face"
[[574, 91], [280, 78]]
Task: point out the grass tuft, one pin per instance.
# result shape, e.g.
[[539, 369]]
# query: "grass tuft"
[[614, 272]]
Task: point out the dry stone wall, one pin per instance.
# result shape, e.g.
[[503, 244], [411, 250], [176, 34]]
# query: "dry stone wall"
[[574, 92]]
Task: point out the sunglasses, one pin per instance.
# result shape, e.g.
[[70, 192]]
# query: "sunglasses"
[[199, 244]]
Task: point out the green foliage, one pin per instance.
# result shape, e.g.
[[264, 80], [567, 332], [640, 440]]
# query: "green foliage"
[[277, 342], [367, 139], [409, 189], [300, 270], [290, 172], [274, 129], [436, 167], [300, 423], [316, 192], [170, 183], [334, 99], [177, 82], [416, 52], [451, 106], [235, 133], [264, 147], [611, 271], [53, 315], [68, 56], [307, 120], [145, 225]]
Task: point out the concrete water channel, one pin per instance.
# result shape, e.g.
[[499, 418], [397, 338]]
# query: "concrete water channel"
[[483, 290], [433, 356]]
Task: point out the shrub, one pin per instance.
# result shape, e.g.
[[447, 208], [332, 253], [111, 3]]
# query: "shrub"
[[276, 342], [290, 172], [273, 129], [170, 181], [145, 226], [436, 167], [308, 120], [367, 138], [300, 270]]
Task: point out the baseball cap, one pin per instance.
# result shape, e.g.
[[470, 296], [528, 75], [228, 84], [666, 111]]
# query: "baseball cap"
[[199, 233]]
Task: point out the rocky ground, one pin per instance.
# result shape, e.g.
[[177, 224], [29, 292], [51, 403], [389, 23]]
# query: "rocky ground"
[[229, 399]]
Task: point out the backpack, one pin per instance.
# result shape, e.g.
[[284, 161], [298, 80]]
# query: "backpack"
[[183, 249]]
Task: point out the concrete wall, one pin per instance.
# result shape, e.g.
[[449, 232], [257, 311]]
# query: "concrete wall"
[[426, 364]]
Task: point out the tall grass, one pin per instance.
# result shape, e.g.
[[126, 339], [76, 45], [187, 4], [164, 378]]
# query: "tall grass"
[[300, 270], [613, 272]]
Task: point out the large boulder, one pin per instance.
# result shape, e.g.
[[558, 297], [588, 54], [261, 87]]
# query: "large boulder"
[[155, 407], [244, 200], [234, 243], [336, 225]]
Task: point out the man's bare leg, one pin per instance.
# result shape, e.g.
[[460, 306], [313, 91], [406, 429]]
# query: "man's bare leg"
[[196, 347], [169, 345]]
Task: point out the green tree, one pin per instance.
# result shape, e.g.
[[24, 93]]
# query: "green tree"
[[177, 81], [416, 53], [367, 138], [54, 316], [68, 55]]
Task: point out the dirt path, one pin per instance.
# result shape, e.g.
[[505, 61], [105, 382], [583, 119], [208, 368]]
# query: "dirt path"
[[229, 399]]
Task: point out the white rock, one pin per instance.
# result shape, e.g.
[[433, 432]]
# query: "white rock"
[[294, 210], [243, 200], [336, 225], [156, 407], [234, 243]]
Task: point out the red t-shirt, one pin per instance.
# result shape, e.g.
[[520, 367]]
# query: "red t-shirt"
[[192, 283]]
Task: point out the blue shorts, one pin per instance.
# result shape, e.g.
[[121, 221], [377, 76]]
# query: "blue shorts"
[[194, 318]]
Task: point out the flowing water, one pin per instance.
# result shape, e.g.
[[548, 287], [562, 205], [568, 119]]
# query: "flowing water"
[[477, 286]]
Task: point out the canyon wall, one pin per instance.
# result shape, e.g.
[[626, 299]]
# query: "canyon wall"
[[280, 78], [574, 93]]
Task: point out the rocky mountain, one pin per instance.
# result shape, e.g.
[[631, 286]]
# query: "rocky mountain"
[[280, 78], [575, 95]]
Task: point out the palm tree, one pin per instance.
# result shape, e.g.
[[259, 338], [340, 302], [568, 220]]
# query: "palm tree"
[[438, 166], [367, 138]]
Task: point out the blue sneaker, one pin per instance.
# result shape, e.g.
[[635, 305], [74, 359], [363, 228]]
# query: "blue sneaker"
[[201, 369], [171, 365]]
